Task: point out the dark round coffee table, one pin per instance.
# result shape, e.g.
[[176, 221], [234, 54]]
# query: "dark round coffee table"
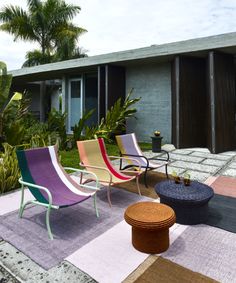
[[190, 203]]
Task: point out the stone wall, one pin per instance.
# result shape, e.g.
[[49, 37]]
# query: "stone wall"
[[153, 85]]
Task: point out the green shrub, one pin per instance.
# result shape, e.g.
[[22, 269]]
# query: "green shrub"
[[9, 171], [81, 125], [57, 123]]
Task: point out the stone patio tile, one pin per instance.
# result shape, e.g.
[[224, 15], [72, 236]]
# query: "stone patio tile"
[[232, 165], [6, 277], [210, 155], [183, 151], [198, 176], [170, 170], [194, 166], [168, 147], [214, 162], [228, 172], [174, 156], [27, 270], [199, 149], [231, 153]]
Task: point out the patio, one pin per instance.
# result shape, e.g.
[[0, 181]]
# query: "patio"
[[110, 257]]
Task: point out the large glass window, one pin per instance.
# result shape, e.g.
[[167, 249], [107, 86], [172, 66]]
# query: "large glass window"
[[75, 102]]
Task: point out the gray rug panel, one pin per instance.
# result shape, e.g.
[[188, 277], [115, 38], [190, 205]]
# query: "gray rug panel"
[[222, 212], [207, 250], [72, 227]]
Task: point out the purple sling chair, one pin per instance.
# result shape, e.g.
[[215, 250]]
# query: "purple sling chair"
[[49, 183]]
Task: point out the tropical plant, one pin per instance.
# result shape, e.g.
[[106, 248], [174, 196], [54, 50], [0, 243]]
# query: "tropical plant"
[[115, 120], [9, 171], [46, 22], [57, 123], [15, 116], [79, 127], [12, 110], [5, 85]]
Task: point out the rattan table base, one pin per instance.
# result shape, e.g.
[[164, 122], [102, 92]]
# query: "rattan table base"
[[150, 223]]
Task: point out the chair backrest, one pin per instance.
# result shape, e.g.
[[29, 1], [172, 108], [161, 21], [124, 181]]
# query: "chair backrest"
[[93, 153], [128, 144], [40, 166]]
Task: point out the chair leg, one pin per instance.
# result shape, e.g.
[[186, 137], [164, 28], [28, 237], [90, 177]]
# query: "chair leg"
[[22, 205], [137, 182], [95, 204], [48, 223], [145, 178], [166, 172], [109, 195]]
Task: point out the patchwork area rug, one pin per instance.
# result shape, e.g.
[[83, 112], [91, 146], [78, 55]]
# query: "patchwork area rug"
[[165, 271], [72, 227], [207, 250]]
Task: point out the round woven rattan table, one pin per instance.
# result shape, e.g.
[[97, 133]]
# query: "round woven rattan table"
[[190, 203], [150, 223]]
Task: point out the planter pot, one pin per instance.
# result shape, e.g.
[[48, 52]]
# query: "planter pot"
[[156, 143]]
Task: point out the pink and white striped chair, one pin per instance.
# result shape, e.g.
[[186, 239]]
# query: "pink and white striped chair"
[[93, 157], [129, 148]]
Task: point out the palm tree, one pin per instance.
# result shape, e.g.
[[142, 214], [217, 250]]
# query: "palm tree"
[[46, 22]]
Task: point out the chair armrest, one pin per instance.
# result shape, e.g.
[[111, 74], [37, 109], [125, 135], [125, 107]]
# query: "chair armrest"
[[85, 172], [134, 155], [37, 187], [125, 158], [162, 159], [97, 167]]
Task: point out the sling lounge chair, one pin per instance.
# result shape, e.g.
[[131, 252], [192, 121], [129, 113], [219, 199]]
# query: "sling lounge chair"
[[49, 183], [129, 147], [93, 156]]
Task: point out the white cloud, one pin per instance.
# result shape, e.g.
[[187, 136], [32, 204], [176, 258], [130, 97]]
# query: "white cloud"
[[119, 25]]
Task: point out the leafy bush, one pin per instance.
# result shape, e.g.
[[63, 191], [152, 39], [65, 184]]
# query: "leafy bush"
[[57, 123], [115, 121], [80, 126], [15, 116], [9, 171]]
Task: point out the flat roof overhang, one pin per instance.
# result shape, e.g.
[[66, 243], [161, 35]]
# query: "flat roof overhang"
[[154, 54]]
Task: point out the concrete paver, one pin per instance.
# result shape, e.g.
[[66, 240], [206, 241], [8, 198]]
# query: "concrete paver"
[[214, 162], [210, 155], [181, 157], [228, 172], [27, 270], [183, 151], [196, 166], [232, 165]]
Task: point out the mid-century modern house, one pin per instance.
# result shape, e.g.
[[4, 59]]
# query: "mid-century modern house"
[[187, 89]]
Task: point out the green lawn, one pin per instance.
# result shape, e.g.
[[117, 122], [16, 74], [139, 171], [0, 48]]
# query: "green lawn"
[[71, 158]]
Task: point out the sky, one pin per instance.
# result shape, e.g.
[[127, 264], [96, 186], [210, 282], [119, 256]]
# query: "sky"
[[116, 25]]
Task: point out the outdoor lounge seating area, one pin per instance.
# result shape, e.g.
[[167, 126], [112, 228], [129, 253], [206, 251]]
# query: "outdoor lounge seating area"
[[86, 244]]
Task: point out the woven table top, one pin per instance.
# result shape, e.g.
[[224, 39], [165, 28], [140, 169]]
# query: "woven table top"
[[150, 215], [196, 192]]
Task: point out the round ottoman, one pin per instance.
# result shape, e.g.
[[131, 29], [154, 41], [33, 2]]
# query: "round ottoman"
[[190, 203], [150, 223]]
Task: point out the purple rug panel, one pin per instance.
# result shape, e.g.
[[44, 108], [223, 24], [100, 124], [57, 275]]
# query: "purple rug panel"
[[72, 227]]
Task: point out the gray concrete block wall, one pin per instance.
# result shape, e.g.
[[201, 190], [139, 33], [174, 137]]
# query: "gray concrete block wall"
[[153, 84]]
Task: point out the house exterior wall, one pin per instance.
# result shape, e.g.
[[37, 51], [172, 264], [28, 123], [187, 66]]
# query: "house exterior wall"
[[153, 85]]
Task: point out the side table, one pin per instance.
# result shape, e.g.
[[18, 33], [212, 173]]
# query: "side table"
[[150, 223], [190, 203]]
